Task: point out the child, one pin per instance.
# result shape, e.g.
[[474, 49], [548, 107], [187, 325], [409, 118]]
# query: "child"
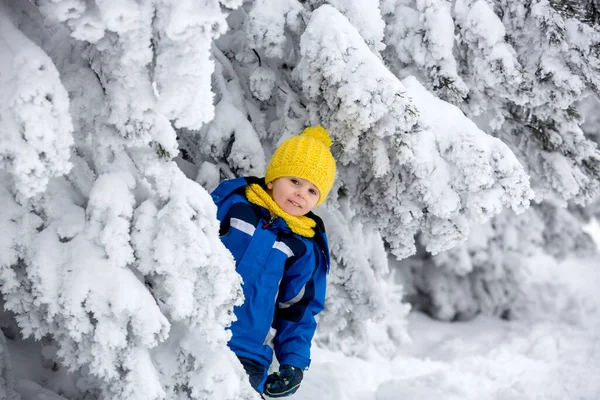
[[281, 253]]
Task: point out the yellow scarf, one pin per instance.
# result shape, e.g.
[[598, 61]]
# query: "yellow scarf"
[[303, 225]]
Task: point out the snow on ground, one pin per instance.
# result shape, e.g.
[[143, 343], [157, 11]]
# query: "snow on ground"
[[481, 359], [547, 357]]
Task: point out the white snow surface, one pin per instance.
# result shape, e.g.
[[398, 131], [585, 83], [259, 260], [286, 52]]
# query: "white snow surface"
[[485, 359], [552, 355]]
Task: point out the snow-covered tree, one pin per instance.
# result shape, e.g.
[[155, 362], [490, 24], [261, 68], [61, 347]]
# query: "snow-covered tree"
[[357, 290], [448, 119], [108, 249], [526, 64]]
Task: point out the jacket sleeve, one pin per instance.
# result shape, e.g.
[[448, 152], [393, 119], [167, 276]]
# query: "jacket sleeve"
[[301, 298]]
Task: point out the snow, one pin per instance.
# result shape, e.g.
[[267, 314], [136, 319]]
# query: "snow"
[[267, 22], [548, 357], [110, 255], [184, 67], [486, 358], [35, 128]]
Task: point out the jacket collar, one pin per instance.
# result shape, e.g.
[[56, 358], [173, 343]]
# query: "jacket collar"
[[238, 185]]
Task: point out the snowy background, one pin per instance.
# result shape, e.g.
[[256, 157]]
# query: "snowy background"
[[556, 356], [462, 223], [552, 357]]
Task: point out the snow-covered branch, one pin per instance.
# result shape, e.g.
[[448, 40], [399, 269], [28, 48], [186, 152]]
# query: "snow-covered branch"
[[414, 161]]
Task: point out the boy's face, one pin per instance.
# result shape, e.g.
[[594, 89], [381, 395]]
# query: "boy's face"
[[295, 196]]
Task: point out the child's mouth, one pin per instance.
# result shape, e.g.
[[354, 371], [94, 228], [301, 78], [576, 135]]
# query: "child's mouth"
[[295, 204]]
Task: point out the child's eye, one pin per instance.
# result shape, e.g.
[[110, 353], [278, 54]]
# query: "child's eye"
[[313, 192], [295, 181]]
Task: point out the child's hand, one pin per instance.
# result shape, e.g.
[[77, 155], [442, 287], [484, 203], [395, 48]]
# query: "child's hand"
[[283, 383]]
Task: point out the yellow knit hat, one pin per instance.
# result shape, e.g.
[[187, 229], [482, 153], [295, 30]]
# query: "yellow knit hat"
[[305, 156]]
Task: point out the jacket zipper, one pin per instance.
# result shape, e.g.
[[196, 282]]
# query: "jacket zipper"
[[271, 220]]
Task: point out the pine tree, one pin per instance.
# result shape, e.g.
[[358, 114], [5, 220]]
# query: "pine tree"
[[526, 64], [110, 252]]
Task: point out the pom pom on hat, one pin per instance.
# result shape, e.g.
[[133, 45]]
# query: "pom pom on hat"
[[305, 156], [319, 133]]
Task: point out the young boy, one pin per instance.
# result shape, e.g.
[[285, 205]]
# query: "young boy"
[[281, 253]]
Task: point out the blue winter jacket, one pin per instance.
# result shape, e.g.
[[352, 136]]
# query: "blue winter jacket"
[[283, 276]]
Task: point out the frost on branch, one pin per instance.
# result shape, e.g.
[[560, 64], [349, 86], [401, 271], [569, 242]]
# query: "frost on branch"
[[589, 109], [421, 33], [174, 36], [412, 170], [178, 249], [365, 18], [492, 62], [183, 68], [76, 287], [524, 65], [521, 65], [362, 310], [484, 178], [494, 271], [527, 67], [267, 22], [192, 277], [35, 128], [484, 275], [230, 142]]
